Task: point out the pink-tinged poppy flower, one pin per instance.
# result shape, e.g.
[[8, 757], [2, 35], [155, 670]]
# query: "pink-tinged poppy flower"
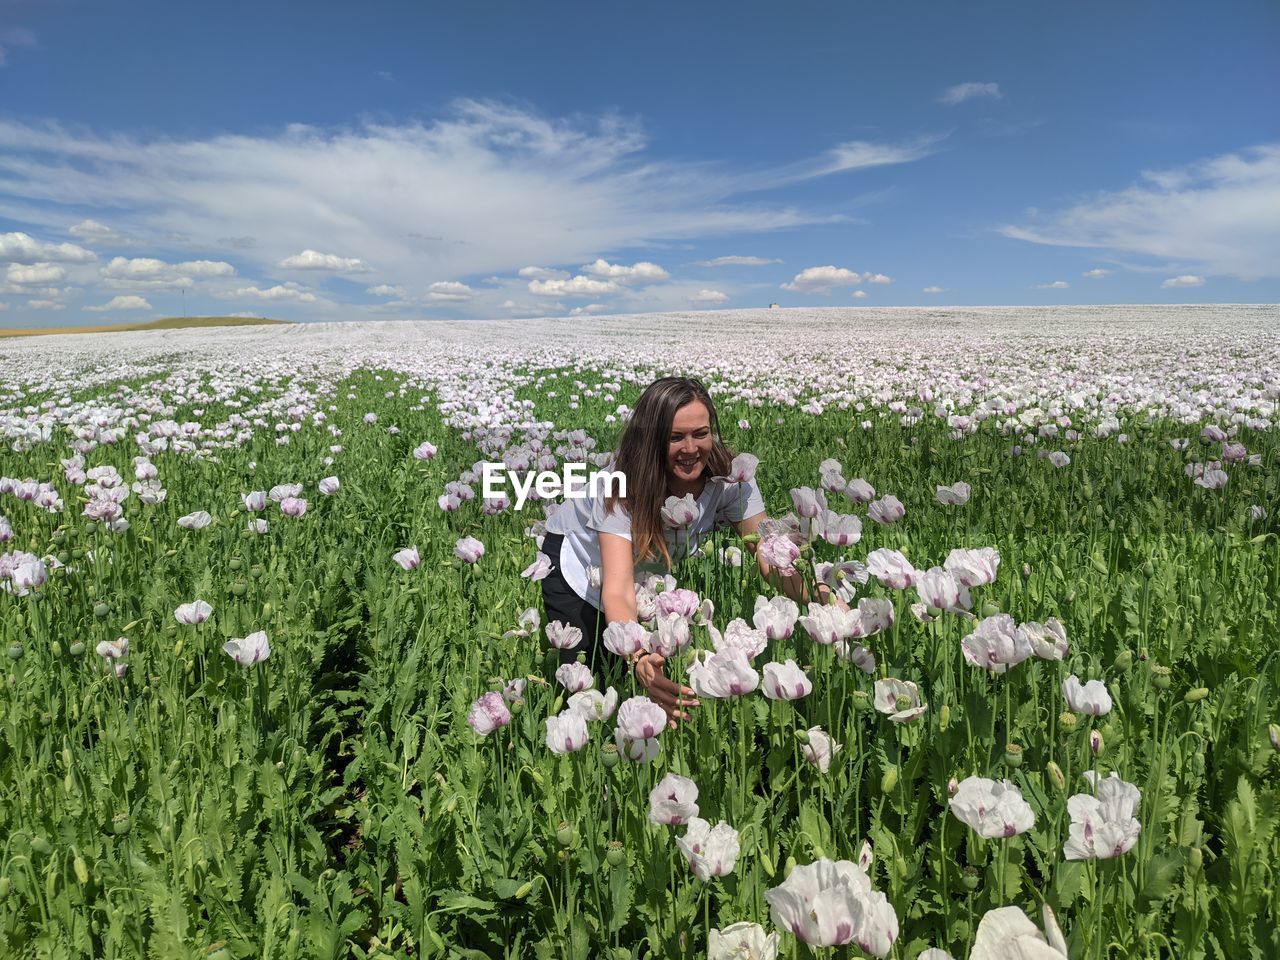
[[956, 495], [1048, 640], [1213, 433], [821, 749], [891, 568], [993, 808], [938, 588], [575, 677], [566, 732], [563, 636], [593, 705], [424, 451], [996, 644], [776, 617], [860, 656], [254, 500], [679, 512], [195, 521], [725, 673], [407, 558], [539, 569], [859, 491], [1211, 480], [468, 549], [742, 941], [626, 638], [808, 502], [514, 690], [899, 700], [709, 851], [293, 507], [639, 718], [739, 636], [193, 613], [1089, 698], [113, 649], [530, 621], [1103, 825], [674, 801], [888, 509], [786, 681], [329, 485], [257, 525], [488, 713], [841, 530], [678, 601], [671, 636], [744, 424], [1058, 458], [780, 553], [636, 751], [742, 469], [1006, 934], [831, 902], [249, 650], [282, 491], [973, 568]]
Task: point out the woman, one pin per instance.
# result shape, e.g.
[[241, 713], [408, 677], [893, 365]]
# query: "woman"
[[671, 447]]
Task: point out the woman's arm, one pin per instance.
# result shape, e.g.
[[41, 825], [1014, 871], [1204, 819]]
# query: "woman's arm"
[[794, 585]]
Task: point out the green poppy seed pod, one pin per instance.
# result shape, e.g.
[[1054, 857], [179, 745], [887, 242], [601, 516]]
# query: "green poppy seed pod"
[[565, 834], [990, 608], [1273, 731], [1148, 570], [969, 879], [801, 735], [1067, 720], [246, 534], [63, 557], [1057, 776], [239, 588], [621, 953], [861, 700], [256, 571], [1196, 695], [81, 868], [1123, 660], [751, 538], [218, 951], [77, 553], [615, 854], [524, 889], [101, 610], [121, 824], [15, 652], [1013, 755], [1195, 858], [1161, 677], [517, 706], [609, 756], [889, 779], [41, 846], [944, 717], [46, 719], [1096, 745], [59, 535], [76, 649], [235, 563], [766, 865]]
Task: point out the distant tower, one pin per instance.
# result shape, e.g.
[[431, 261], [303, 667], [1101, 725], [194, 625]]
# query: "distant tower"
[[773, 306]]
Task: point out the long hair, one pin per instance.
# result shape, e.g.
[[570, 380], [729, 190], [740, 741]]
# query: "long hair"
[[642, 457]]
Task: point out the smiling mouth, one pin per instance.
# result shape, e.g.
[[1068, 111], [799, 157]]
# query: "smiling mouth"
[[688, 464]]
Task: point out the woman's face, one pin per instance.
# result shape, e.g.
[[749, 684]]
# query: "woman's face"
[[690, 442]]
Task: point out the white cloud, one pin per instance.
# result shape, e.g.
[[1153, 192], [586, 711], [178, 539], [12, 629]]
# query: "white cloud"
[[935, 290], [637, 272], [23, 248], [1186, 280], [36, 273], [129, 302], [578, 286], [385, 290], [281, 291], [91, 231], [1056, 285], [822, 279], [968, 91], [46, 305], [449, 290], [1097, 273], [859, 294], [314, 260], [736, 262], [589, 308], [709, 296], [543, 273], [149, 272], [1217, 215]]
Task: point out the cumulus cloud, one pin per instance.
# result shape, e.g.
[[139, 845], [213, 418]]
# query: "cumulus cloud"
[[588, 309], [385, 290], [1218, 215], [135, 272], [1097, 273], [1055, 285], [314, 260], [543, 273], [123, 302], [935, 290], [281, 291], [736, 262], [1186, 280], [709, 296], [637, 272], [449, 290], [823, 279], [859, 294], [969, 91], [36, 273], [91, 231], [579, 286], [23, 248]]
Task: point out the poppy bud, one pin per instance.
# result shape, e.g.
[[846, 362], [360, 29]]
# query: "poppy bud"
[[952, 786], [81, 869], [1096, 746], [524, 889], [1160, 677], [1123, 660], [1013, 755], [801, 735], [1273, 732], [218, 951], [944, 717], [788, 867], [41, 846], [1195, 858], [1056, 775], [1196, 695], [990, 608], [55, 648], [890, 779], [767, 865]]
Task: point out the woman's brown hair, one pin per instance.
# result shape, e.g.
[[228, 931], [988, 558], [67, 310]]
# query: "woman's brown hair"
[[642, 457]]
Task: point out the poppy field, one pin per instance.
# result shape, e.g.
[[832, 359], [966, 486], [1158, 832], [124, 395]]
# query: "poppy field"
[[278, 682]]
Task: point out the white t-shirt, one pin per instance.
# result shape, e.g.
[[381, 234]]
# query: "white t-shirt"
[[579, 520]]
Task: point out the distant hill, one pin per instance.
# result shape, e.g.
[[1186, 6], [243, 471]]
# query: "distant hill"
[[165, 323]]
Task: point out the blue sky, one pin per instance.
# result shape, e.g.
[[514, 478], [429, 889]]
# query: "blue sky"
[[328, 161]]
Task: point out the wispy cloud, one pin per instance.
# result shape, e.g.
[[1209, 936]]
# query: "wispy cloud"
[[1186, 280], [969, 91], [1220, 216], [1097, 273], [1054, 285], [736, 262], [11, 37]]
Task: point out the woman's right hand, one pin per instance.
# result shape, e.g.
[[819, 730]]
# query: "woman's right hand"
[[668, 695]]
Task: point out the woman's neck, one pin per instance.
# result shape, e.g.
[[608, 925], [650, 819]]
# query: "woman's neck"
[[678, 489]]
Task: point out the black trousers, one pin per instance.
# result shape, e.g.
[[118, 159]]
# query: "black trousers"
[[560, 602]]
